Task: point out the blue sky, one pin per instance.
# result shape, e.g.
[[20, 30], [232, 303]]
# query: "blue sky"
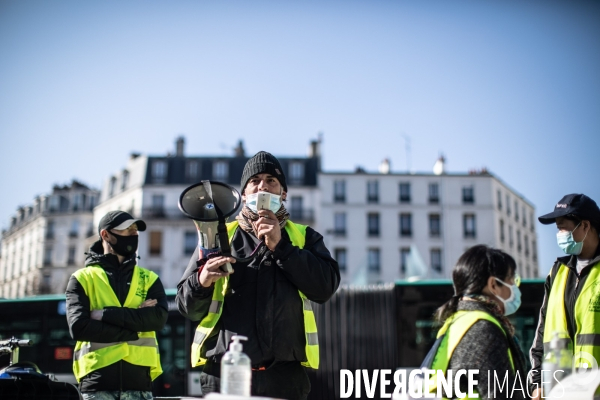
[[510, 85]]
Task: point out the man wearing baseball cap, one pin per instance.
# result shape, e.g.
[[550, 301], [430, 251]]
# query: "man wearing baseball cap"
[[265, 299], [114, 308], [571, 307]]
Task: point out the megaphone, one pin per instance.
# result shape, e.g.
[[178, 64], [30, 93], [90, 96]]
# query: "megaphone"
[[209, 204]]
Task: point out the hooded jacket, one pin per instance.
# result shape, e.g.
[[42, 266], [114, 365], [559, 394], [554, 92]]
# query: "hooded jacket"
[[262, 300], [117, 324], [575, 282]]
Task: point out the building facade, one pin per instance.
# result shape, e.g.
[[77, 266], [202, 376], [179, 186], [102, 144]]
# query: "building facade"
[[149, 187], [387, 226], [45, 242], [381, 227]]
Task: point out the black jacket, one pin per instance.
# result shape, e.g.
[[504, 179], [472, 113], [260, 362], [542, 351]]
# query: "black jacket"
[[117, 324], [262, 300], [575, 282]]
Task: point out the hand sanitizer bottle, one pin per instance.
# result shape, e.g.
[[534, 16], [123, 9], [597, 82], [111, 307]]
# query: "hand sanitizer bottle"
[[556, 365], [236, 372]]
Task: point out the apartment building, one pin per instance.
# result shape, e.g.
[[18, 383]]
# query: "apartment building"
[[387, 226], [149, 187], [45, 242]]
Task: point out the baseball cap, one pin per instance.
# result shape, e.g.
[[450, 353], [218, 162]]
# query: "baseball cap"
[[575, 204], [120, 220]]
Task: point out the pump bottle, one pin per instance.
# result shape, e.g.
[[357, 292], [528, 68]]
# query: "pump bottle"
[[236, 372], [556, 364]]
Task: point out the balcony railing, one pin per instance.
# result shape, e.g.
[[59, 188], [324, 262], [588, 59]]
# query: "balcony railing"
[[302, 214], [162, 213]]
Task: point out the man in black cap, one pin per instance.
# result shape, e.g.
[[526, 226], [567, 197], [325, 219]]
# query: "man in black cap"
[[266, 299], [571, 307], [114, 308]]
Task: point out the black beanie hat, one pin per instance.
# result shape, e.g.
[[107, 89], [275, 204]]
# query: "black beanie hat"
[[263, 163]]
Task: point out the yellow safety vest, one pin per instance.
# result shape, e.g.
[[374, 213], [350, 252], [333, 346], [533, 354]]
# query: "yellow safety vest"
[[91, 356], [455, 327], [297, 234], [587, 315]]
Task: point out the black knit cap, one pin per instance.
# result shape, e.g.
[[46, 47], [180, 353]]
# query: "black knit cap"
[[263, 163]]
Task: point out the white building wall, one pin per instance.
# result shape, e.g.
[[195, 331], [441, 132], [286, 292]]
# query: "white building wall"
[[451, 209]]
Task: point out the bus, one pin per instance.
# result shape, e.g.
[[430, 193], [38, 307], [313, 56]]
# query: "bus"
[[384, 326]]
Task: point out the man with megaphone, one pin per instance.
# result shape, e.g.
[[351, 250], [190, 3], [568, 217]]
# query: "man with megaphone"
[[278, 268]]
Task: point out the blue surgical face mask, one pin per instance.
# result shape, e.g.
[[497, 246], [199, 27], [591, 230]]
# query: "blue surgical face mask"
[[512, 304], [568, 244], [268, 201]]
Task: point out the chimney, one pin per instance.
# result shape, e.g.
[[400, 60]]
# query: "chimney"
[[439, 167], [239, 151], [179, 144], [313, 149], [384, 167]]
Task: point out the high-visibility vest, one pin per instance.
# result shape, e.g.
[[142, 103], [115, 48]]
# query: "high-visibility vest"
[[453, 330], [91, 356], [587, 315], [297, 234]]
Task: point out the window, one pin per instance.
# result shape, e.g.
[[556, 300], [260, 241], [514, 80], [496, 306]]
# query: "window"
[[436, 259], [533, 250], [501, 231], [111, 186], [190, 241], [510, 236], [191, 171], [499, 200], [516, 211], [48, 256], [340, 257], [469, 226], [531, 222], [507, 205], [434, 225], [50, 229], [372, 192], [220, 170], [468, 195], [373, 224], [404, 192], [54, 203], [518, 240], [124, 180], [159, 169], [155, 243], [296, 208], [526, 241], [296, 173], [339, 191], [71, 257], [524, 217], [74, 232], [405, 225], [90, 230], [76, 202], [374, 260], [434, 193], [158, 205], [404, 254], [339, 223]]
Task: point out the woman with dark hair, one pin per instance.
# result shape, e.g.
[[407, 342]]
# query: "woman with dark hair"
[[476, 335]]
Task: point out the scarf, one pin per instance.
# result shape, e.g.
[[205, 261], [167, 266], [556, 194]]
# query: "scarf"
[[494, 308], [246, 218]]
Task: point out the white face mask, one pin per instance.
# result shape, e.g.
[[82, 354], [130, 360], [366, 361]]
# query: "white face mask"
[[263, 201], [512, 304]]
